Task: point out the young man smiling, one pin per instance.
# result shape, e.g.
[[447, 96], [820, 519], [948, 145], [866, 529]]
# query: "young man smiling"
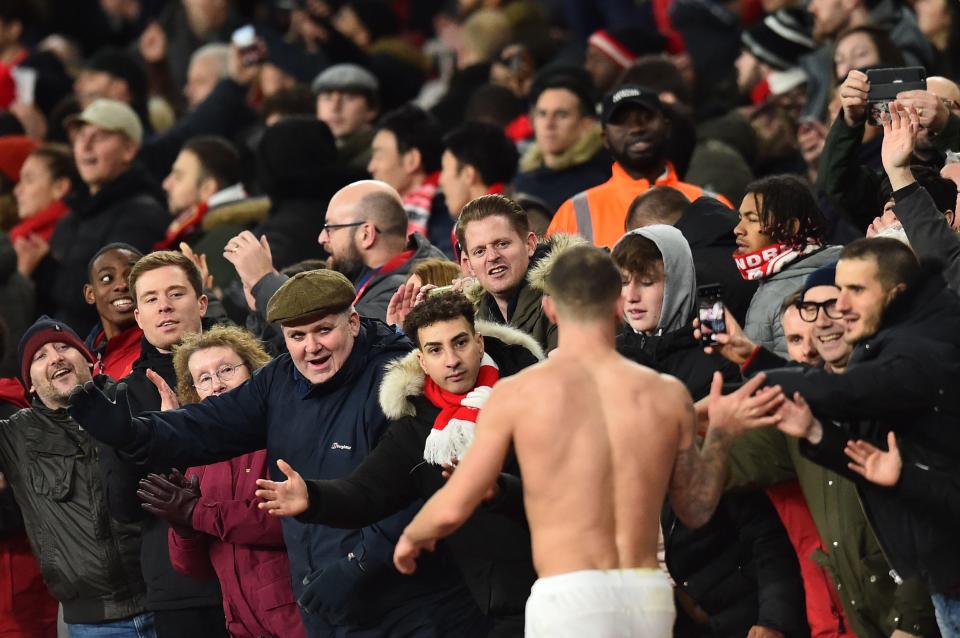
[[902, 324], [169, 303], [317, 408], [115, 340], [456, 363]]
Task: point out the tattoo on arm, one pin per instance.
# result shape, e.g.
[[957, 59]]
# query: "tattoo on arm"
[[698, 476]]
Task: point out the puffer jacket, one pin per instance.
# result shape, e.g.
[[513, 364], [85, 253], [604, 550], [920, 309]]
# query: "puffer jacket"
[[89, 561]]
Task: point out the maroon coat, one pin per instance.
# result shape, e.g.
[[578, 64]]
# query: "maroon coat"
[[244, 546]]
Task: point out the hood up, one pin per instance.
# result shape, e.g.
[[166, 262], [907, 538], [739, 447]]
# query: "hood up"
[[680, 282]]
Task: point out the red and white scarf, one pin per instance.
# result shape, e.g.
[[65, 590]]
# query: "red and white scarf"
[[454, 427], [769, 260]]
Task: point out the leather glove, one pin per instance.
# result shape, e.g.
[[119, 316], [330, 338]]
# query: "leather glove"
[[106, 421], [171, 499], [333, 591]]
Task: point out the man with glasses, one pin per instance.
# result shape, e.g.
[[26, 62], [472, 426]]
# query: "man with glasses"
[[169, 303], [316, 408], [365, 235], [865, 599]]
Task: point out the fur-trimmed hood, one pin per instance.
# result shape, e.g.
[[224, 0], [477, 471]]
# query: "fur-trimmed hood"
[[544, 256], [404, 377], [580, 152], [244, 212]]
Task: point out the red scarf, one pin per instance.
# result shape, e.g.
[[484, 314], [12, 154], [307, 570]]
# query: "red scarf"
[[769, 260], [387, 268], [454, 427], [42, 224], [181, 227]]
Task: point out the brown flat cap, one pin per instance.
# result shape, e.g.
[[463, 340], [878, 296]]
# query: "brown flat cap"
[[315, 292]]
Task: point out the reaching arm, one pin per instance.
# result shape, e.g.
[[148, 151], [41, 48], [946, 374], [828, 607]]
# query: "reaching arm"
[[450, 507], [216, 429], [698, 475]]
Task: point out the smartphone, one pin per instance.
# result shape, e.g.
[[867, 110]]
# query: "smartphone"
[[711, 313], [245, 39], [885, 84]]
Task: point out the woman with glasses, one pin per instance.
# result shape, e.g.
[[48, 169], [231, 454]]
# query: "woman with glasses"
[[215, 525]]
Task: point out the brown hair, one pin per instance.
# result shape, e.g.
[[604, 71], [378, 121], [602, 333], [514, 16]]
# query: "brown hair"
[[637, 255], [58, 158], [161, 258], [488, 206], [237, 339], [584, 282], [896, 262], [444, 306], [659, 205], [439, 272]]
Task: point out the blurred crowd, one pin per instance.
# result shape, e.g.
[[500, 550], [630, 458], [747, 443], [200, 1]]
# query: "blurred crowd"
[[283, 197]]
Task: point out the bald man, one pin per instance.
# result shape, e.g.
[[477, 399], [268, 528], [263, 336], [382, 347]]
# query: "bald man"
[[365, 234]]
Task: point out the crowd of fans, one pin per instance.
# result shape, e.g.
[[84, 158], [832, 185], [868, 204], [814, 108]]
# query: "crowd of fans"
[[274, 238]]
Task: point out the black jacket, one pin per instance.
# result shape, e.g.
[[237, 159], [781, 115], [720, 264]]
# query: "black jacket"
[[677, 354], [929, 234], [90, 562], [167, 589], [708, 225], [740, 568], [898, 379], [129, 209], [492, 548], [324, 431]]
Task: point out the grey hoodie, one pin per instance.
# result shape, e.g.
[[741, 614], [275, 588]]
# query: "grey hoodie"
[[680, 283]]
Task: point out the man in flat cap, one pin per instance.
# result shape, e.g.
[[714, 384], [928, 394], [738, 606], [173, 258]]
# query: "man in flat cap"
[[315, 407], [348, 102]]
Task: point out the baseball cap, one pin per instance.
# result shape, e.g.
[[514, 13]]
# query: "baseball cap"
[[109, 115], [629, 94]]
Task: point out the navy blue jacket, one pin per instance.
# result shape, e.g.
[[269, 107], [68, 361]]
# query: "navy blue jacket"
[[324, 431]]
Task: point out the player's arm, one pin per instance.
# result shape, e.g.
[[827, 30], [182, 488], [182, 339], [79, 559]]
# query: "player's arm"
[[453, 504], [699, 475]]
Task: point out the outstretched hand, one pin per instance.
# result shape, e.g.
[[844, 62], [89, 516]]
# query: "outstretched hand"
[[284, 498], [106, 421], [873, 464], [747, 408], [402, 302], [168, 398], [797, 420], [407, 551]]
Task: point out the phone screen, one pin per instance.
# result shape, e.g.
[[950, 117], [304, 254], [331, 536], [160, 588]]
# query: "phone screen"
[[710, 312]]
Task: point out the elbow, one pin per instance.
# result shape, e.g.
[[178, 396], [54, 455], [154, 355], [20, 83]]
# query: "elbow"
[[694, 519], [450, 519]]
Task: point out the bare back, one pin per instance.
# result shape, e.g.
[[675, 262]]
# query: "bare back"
[[596, 437]]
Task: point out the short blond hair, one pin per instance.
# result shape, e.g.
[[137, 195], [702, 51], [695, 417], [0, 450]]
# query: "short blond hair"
[[237, 339], [485, 32]]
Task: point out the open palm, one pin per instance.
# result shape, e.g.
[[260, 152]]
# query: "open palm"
[[899, 136], [875, 465], [284, 498]]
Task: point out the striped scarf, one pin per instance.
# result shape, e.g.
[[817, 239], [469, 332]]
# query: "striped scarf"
[[769, 260], [454, 427]]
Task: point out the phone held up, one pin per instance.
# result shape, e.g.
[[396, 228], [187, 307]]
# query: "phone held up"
[[885, 84], [710, 312]]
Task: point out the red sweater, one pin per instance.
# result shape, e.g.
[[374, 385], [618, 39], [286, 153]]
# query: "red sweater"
[[243, 546]]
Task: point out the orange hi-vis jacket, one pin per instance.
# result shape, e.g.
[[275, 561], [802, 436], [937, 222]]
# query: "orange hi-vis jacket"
[[599, 214]]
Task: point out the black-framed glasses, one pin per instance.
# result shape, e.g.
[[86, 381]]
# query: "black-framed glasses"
[[809, 310], [329, 228], [224, 373]]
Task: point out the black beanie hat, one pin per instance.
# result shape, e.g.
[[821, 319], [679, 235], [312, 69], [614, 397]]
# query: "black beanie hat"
[[121, 65], [46, 330], [292, 155]]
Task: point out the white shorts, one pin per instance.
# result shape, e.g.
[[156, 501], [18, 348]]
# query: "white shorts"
[[601, 604]]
